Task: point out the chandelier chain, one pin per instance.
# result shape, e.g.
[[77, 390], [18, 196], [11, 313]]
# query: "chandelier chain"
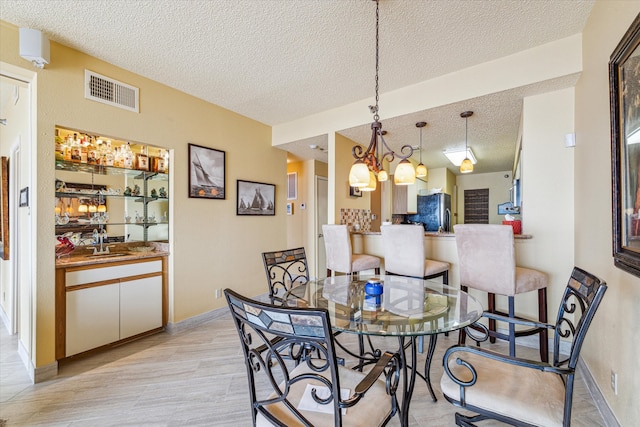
[[375, 115]]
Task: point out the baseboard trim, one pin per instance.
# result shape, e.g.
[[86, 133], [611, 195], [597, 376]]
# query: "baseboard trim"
[[192, 322], [607, 414]]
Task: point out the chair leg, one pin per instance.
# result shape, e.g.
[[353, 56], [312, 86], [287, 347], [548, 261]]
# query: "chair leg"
[[462, 335], [512, 327], [492, 309], [445, 281], [542, 317]]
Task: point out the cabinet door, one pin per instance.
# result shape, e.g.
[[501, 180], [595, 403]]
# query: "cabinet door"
[[140, 305], [399, 199], [92, 318]]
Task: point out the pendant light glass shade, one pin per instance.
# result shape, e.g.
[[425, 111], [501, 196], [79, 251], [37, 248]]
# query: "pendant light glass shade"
[[383, 175], [421, 171], [373, 183], [466, 166], [359, 174], [405, 173], [83, 208]]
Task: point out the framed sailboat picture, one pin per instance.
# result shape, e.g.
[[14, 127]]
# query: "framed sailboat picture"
[[206, 173], [256, 198]]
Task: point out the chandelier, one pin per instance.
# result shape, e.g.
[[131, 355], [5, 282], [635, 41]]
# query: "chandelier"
[[369, 163]]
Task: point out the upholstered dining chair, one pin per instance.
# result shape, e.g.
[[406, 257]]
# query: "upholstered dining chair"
[[487, 261], [285, 269], [340, 257], [311, 391], [404, 253], [524, 392]]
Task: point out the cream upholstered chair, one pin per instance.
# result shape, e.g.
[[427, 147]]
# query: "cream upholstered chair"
[[340, 258], [523, 392], [404, 253], [487, 260]]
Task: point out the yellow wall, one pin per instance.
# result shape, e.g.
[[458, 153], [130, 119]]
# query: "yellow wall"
[[614, 337], [212, 247], [343, 160]]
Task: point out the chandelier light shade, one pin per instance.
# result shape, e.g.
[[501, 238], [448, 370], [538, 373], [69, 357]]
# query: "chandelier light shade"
[[421, 169], [373, 183], [373, 157], [466, 166], [82, 208]]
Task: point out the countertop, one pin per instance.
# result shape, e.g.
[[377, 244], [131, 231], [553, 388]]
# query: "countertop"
[[436, 234], [81, 255]]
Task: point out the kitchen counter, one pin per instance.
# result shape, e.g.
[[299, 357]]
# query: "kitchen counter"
[[435, 234], [81, 256]]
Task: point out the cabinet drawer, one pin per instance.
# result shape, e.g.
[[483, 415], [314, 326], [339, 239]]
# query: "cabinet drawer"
[[79, 277]]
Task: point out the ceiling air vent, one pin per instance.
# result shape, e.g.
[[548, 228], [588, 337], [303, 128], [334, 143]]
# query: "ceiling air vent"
[[109, 91]]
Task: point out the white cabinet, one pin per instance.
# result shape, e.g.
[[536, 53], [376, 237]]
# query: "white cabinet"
[[140, 306], [109, 303], [92, 318]]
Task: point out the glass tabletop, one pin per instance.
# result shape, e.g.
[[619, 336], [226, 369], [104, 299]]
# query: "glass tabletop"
[[406, 307]]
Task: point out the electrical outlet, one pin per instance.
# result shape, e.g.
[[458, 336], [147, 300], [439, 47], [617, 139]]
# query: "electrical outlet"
[[218, 293], [614, 382]]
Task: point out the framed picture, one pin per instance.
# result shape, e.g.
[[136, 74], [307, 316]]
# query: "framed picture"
[[355, 191], [4, 208], [624, 88], [206, 173], [255, 198]]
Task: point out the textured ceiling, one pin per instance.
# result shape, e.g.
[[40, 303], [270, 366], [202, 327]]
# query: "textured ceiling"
[[280, 60]]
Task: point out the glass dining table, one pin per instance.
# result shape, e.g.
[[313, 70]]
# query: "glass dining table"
[[407, 308]]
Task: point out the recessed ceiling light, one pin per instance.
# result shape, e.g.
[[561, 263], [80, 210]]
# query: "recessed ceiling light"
[[458, 155]]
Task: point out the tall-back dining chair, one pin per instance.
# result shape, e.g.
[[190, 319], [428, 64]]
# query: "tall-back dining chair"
[[524, 392], [311, 390], [404, 253], [340, 257], [487, 260], [285, 269]]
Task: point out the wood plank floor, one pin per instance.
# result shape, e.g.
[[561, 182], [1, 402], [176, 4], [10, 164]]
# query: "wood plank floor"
[[194, 378]]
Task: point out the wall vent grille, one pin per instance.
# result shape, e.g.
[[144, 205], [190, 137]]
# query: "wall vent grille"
[[111, 92]]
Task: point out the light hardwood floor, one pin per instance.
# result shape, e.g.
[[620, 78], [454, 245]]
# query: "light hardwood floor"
[[194, 378]]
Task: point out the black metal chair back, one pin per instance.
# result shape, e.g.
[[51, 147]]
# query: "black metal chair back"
[[276, 383], [285, 270], [475, 379]]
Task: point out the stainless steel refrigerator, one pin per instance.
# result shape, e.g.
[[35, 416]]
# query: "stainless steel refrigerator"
[[434, 212]]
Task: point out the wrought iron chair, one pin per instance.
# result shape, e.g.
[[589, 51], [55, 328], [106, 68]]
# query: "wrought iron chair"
[[314, 391], [340, 257], [285, 270], [518, 391]]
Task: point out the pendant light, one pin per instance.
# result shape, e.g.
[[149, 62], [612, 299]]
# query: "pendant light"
[[421, 169], [466, 166], [369, 160]]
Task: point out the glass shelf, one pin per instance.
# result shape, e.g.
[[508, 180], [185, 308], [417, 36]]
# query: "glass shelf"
[[110, 170], [95, 195], [88, 224]]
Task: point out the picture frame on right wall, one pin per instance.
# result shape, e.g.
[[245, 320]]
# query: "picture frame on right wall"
[[624, 89]]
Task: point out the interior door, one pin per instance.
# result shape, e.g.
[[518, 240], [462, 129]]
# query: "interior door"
[[322, 212]]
